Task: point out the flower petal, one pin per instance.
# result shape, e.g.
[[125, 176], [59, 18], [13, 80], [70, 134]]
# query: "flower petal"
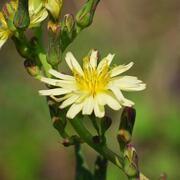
[[109, 99], [73, 64], [2, 41], [129, 83], [54, 92], [88, 106], [94, 58], [69, 101], [74, 110], [118, 94], [50, 81], [60, 75], [98, 109], [61, 83], [37, 13], [106, 61], [120, 69], [36, 19]]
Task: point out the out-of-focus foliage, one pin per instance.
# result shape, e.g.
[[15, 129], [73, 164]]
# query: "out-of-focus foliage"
[[146, 32]]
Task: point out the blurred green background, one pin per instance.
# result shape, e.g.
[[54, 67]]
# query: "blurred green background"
[[143, 31]]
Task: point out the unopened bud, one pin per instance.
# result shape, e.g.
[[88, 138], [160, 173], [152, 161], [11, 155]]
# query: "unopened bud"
[[85, 16], [54, 7], [131, 161], [67, 33], [68, 22], [21, 19], [124, 135], [32, 68], [22, 47], [8, 11], [126, 125]]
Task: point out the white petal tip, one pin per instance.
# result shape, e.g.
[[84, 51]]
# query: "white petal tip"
[[69, 116], [42, 93]]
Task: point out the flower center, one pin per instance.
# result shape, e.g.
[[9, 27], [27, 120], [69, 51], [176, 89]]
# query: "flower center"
[[93, 80]]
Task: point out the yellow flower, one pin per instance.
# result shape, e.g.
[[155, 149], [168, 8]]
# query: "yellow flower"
[[37, 14], [93, 86], [54, 7]]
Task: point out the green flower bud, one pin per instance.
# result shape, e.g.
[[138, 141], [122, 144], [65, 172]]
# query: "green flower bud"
[[22, 47], [67, 32], [85, 16], [131, 161], [126, 125], [8, 12], [21, 18], [32, 68], [68, 22]]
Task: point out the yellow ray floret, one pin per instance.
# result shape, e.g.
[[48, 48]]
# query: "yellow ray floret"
[[91, 87]]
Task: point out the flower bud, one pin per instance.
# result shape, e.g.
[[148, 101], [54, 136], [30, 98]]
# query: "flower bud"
[[126, 125], [32, 68], [8, 12], [54, 8], [85, 16], [68, 22], [67, 32], [131, 161], [21, 19], [22, 47]]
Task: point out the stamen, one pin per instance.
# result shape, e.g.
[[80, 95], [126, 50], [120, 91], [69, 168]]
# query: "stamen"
[[92, 81]]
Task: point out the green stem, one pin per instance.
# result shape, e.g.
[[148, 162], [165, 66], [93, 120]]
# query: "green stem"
[[100, 148], [100, 171], [45, 64], [82, 171]]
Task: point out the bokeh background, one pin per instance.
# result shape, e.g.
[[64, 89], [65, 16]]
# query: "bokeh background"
[[143, 31]]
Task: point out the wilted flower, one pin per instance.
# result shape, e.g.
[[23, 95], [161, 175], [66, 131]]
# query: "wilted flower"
[[93, 86], [37, 14]]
